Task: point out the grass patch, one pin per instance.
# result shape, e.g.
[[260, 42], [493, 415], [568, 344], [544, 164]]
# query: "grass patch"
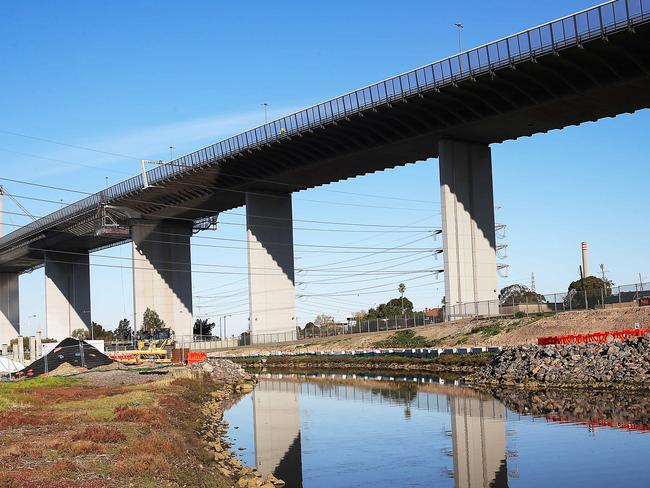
[[40, 382], [103, 408]]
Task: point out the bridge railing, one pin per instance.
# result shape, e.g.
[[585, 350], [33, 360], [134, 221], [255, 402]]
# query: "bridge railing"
[[574, 29]]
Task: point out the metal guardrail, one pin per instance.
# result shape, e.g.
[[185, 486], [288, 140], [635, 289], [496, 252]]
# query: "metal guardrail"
[[592, 23]]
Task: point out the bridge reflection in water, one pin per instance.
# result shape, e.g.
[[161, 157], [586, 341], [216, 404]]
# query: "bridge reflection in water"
[[478, 438]]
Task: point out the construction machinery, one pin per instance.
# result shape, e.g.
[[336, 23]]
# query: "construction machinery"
[[151, 346]]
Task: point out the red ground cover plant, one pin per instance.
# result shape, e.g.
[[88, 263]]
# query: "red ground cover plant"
[[18, 419], [148, 415], [100, 435]]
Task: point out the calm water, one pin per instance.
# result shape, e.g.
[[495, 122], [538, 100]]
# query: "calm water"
[[344, 431]]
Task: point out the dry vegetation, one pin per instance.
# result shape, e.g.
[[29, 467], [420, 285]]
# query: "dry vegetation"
[[57, 432]]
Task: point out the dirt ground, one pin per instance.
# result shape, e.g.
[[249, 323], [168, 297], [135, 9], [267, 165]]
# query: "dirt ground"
[[112, 428], [482, 332]]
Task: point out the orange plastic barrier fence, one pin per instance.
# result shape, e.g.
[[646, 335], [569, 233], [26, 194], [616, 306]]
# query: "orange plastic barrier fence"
[[593, 337], [196, 357], [120, 356], [602, 423]]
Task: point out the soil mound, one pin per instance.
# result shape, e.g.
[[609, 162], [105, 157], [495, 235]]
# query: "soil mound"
[[76, 353], [65, 369]]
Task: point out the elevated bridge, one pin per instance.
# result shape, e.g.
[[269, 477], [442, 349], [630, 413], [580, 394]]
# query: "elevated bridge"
[[583, 67]]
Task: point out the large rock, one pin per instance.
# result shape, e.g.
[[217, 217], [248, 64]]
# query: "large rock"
[[617, 363]]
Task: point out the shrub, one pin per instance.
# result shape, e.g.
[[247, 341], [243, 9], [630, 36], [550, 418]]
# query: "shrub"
[[77, 448], [63, 468], [152, 415], [101, 435], [142, 464], [405, 338]]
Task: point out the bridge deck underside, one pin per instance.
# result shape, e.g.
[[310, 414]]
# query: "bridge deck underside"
[[601, 78]]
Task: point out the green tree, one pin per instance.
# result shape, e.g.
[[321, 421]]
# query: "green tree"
[[402, 289], [81, 334], [123, 331], [98, 332], [310, 329], [519, 294], [203, 327], [391, 309], [596, 288], [151, 321]]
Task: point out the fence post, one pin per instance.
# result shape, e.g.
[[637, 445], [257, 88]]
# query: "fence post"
[[81, 354], [619, 295], [602, 297], [526, 305], [46, 366], [555, 302], [513, 307]]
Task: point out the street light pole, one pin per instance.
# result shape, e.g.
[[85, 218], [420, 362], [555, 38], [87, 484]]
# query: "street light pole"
[[266, 114], [459, 27]]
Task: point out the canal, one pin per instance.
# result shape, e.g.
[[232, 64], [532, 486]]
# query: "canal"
[[355, 430]]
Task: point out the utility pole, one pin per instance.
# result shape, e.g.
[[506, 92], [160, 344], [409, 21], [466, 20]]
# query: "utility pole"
[[266, 112], [171, 153], [640, 282], [532, 281], [459, 27], [602, 272], [584, 287]]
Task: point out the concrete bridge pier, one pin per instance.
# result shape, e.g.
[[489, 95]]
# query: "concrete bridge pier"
[[9, 299], [271, 281], [67, 293], [9, 307], [162, 272], [469, 241]]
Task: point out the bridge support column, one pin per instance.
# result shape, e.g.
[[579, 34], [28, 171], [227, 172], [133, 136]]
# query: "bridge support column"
[[67, 293], [469, 241], [272, 294], [162, 273], [9, 310]]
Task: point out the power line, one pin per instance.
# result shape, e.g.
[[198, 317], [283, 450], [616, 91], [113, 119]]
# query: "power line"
[[212, 211]]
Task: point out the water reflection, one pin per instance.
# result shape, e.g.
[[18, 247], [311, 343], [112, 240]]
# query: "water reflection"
[[479, 442], [276, 418], [343, 431]]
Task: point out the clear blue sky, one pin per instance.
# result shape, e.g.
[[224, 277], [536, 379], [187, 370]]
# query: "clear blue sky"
[[136, 77]]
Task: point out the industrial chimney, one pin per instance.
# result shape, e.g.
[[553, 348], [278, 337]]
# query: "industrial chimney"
[[585, 261]]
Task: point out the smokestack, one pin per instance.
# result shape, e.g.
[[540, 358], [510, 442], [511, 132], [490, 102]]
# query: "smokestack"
[[585, 261]]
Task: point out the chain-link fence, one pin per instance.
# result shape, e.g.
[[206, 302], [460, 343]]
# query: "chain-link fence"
[[518, 305], [585, 297]]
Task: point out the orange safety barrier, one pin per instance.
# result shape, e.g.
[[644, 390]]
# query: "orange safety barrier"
[[593, 337], [602, 423], [120, 356], [196, 357]]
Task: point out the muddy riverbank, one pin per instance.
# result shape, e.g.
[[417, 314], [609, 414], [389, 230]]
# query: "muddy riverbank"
[[450, 363]]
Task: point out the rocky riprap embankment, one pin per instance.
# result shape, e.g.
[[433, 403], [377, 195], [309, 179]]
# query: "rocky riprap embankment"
[[215, 428], [624, 364]]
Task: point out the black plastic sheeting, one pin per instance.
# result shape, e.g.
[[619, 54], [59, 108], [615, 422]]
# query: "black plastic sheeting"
[[73, 351]]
